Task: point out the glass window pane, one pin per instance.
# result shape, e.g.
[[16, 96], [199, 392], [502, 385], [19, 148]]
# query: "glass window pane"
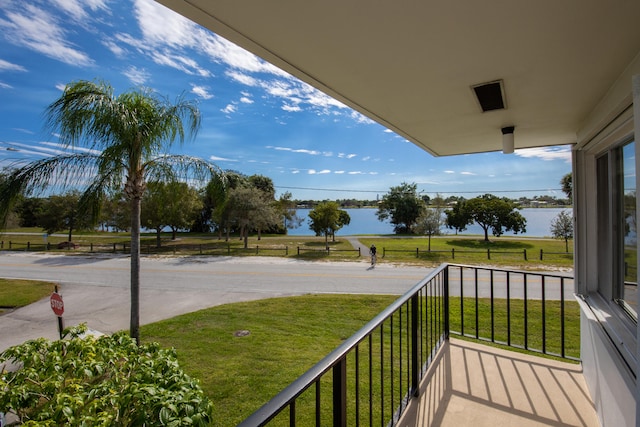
[[629, 291]]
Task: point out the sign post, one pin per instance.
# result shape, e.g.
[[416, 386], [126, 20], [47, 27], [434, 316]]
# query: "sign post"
[[58, 308]]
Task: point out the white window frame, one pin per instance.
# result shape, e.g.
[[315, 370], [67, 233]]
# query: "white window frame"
[[597, 249]]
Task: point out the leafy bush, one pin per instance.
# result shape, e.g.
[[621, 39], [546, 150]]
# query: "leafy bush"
[[105, 381]]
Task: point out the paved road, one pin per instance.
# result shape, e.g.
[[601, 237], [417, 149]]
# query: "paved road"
[[96, 288]]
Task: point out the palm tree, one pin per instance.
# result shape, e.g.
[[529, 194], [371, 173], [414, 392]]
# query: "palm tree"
[[124, 140]]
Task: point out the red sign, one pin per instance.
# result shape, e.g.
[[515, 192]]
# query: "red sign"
[[56, 304]]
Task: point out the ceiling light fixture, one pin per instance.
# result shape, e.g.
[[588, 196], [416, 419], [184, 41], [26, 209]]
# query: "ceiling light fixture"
[[507, 139]]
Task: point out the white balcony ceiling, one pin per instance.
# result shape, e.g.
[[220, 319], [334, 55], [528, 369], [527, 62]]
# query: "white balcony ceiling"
[[410, 64]]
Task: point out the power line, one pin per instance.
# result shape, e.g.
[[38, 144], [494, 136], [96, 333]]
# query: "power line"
[[423, 191]]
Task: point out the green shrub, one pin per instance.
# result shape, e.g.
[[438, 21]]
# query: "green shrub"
[[105, 381]]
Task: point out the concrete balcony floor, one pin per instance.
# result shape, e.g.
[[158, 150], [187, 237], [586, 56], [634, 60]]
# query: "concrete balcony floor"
[[471, 384]]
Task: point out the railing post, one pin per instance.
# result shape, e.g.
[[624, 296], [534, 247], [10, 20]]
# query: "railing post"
[[256, 249], [540, 254], [286, 250], [453, 253], [359, 252], [340, 393], [28, 246], [544, 315], [488, 253], [446, 300], [525, 254], [298, 250], [417, 252], [415, 340]]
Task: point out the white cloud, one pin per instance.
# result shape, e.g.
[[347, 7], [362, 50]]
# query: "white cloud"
[[365, 158], [324, 171], [346, 156], [137, 76], [5, 85], [167, 36], [49, 149], [220, 159], [35, 29], [229, 109], [115, 48], [292, 108], [76, 10], [449, 171], [201, 91], [467, 173], [296, 150], [8, 66], [60, 149], [338, 172], [547, 153], [360, 118], [311, 171], [246, 100], [242, 78]]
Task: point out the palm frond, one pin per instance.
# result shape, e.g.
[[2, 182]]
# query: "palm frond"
[[175, 167], [58, 172]]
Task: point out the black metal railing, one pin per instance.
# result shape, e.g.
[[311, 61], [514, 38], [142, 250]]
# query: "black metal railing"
[[371, 377], [529, 310]]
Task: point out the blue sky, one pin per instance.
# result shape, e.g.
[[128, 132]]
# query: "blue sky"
[[257, 119]]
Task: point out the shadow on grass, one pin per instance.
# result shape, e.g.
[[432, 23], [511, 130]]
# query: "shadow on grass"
[[491, 244]]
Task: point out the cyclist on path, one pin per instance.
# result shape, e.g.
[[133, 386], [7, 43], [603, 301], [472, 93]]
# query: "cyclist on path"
[[372, 252]]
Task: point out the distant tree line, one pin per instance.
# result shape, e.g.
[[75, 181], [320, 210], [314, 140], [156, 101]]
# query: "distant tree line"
[[235, 204], [231, 203]]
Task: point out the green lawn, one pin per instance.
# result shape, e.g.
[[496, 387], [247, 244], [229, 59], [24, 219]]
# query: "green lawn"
[[18, 293], [286, 336], [245, 353], [499, 251]]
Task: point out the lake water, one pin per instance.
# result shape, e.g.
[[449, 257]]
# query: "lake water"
[[365, 221]]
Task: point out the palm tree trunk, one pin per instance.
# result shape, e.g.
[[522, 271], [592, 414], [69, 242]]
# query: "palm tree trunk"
[[134, 328]]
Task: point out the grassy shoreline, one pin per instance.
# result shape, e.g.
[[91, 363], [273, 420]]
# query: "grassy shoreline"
[[504, 251]]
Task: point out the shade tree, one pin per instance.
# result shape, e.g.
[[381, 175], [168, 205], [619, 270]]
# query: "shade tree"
[[402, 206], [326, 219], [489, 212]]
